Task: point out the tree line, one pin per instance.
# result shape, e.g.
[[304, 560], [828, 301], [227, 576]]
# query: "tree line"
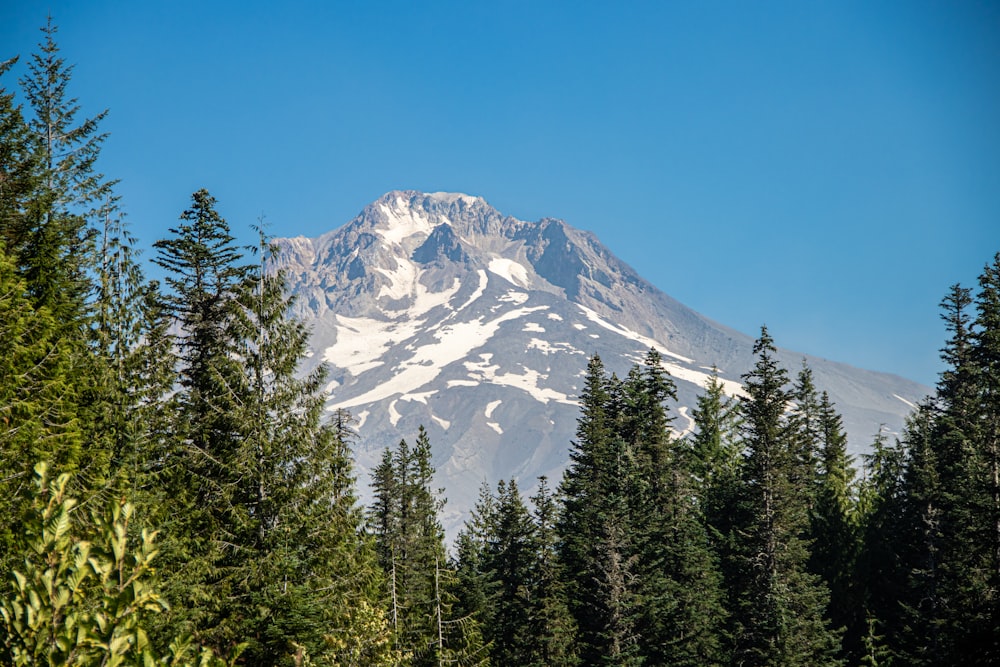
[[176, 494]]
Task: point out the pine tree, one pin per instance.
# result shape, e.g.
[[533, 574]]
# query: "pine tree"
[[121, 330], [552, 629], [38, 410], [781, 605], [58, 243], [476, 584], [805, 429], [921, 639], [880, 567], [947, 549], [409, 541], [678, 585], [834, 530], [204, 274], [510, 580], [268, 548], [20, 171], [715, 450], [716, 458], [302, 562], [511, 559], [596, 546], [48, 161], [980, 591]]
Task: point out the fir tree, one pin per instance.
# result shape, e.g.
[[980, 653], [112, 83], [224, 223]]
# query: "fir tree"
[[38, 411], [409, 541], [59, 238], [302, 562], [678, 585], [204, 273], [551, 627], [919, 547], [595, 542], [20, 171], [511, 562], [781, 605], [881, 511], [716, 457], [980, 588], [48, 167], [834, 529]]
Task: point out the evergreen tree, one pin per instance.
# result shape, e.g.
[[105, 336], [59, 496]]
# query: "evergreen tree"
[[678, 585], [38, 411], [919, 547], [947, 552], [979, 589], [302, 562], [204, 273], [880, 569], [267, 543], [58, 243], [475, 581], [805, 431], [551, 627], [48, 161], [716, 457], [511, 562], [409, 541], [510, 579], [714, 442], [595, 542], [781, 605], [834, 530], [20, 171], [121, 332]]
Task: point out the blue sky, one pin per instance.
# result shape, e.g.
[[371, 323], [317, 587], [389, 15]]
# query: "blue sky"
[[826, 168]]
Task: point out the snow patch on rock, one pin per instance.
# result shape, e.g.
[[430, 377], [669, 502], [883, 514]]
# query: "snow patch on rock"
[[511, 271]]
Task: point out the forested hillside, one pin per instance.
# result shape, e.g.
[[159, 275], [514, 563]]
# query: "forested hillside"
[[175, 493]]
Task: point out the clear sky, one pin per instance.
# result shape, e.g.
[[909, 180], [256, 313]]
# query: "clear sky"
[[826, 168]]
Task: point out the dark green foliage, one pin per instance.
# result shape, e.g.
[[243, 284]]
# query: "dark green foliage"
[[945, 531], [834, 530], [409, 541], [780, 619], [881, 509], [20, 171], [681, 615], [595, 546], [552, 629], [267, 527], [38, 407], [59, 234], [507, 557], [716, 458], [643, 582], [47, 179]]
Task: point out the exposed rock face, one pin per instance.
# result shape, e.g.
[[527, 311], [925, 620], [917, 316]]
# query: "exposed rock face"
[[437, 309]]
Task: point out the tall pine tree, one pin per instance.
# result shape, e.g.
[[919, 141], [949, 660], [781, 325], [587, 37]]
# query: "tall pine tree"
[[780, 618]]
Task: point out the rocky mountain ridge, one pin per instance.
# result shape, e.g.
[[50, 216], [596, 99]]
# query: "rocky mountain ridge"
[[437, 309]]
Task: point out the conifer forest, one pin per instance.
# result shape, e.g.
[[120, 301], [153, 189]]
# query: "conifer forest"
[[174, 492]]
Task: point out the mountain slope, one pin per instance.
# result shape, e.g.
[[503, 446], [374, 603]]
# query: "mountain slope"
[[437, 309]]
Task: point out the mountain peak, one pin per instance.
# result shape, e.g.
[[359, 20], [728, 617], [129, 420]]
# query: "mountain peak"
[[454, 198], [429, 202], [438, 310]]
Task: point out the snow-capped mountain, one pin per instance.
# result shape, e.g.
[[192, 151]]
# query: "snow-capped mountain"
[[436, 309]]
